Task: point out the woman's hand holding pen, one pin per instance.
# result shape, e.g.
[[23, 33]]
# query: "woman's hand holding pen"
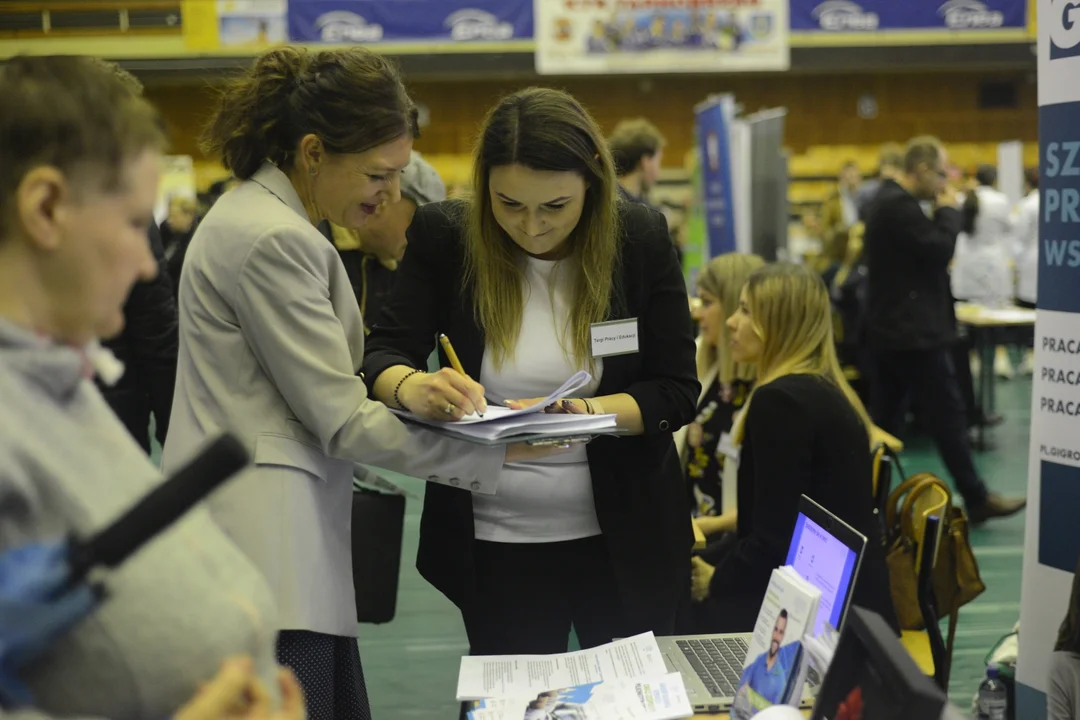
[[443, 395]]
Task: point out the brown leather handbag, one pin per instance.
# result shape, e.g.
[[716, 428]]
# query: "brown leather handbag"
[[956, 579]]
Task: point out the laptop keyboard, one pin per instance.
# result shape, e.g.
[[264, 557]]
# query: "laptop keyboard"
[[717, 662]]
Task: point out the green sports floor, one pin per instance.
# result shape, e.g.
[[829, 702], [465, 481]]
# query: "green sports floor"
[[411, 663]]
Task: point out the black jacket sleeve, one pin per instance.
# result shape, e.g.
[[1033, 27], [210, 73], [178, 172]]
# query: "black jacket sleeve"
[[154, 337], [667, 396], [778, 430], [930, 239], [406, 335]]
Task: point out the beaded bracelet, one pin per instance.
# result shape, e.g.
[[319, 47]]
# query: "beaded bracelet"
[[397, 399]]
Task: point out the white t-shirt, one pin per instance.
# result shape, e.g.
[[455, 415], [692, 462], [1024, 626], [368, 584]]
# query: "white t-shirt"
[[549, 500]]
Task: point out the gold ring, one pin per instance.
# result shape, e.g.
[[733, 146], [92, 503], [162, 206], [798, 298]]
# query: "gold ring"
[[449, 409]]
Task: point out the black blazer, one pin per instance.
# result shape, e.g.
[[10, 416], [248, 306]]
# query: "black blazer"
[[801, 437], [148, 346], [637, 481], [909, 300]]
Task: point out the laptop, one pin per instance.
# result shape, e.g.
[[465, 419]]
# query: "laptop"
[[824, 550]]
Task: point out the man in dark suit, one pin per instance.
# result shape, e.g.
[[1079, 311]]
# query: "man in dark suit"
[[149, 343], [910, 324], [147, 346]]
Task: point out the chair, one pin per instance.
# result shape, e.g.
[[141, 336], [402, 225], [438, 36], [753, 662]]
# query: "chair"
[[882, 467], [927, 560], [926, 512], [883, 459], [926, 647]]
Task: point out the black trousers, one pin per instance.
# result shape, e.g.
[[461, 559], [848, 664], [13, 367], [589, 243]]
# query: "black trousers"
[[929, 378], [329, 671], [529, 595], [961, 351]]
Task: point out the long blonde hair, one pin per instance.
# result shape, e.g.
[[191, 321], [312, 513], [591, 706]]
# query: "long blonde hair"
[[541, 129], [791, 313], [723, 278]]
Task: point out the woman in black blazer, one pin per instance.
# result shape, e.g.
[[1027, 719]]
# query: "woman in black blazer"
[[597, 537], [803, 431]]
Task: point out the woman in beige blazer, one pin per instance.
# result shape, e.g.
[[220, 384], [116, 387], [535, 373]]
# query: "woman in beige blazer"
[[271, 343]]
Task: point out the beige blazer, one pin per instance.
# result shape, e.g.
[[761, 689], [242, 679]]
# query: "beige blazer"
[[271, 340]]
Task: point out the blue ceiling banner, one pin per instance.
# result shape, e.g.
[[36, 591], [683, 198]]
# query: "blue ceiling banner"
[[410, 21], [864, 16]]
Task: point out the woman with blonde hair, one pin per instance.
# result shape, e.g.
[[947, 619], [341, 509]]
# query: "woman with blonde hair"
[[803, 431], [725, 384], [518, 277]]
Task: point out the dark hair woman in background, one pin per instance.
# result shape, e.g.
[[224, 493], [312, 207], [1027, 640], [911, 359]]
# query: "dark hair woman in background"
[[271, 340], [597, 537]]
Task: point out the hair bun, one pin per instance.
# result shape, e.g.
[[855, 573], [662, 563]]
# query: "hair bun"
[[358, 103]]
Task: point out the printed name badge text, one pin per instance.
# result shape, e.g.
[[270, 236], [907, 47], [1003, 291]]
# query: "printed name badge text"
[[617, 337]]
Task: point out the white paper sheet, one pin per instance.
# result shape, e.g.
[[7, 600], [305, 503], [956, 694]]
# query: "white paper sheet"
[[498, 413], [659, 698], [529, 675]]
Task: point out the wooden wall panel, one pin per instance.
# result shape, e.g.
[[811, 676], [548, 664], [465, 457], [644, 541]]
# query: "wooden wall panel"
[[822, 109]]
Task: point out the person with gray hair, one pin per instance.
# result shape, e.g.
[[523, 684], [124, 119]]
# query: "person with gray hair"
[[371, 254]]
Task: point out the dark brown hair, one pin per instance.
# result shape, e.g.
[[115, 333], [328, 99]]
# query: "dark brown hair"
[[133, 84], [631, 141], [72, 113], [546, 130], [351, 99]]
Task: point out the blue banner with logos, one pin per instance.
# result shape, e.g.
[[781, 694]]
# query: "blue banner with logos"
[[713, 119], [860, 16], [380, 21], [1052, 535]]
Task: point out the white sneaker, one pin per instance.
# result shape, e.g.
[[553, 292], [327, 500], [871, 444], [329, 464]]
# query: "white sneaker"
[[1003, 365], [1027, 365]]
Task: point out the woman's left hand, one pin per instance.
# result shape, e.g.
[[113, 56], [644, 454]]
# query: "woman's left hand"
[[701, 574], [575, 406]]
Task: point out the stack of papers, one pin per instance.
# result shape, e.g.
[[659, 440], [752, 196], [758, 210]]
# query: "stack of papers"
[[819, 654], [623, 680], [501, 424]]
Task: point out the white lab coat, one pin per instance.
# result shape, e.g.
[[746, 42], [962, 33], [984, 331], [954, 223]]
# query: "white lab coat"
[[1027, 247], [981, 269]]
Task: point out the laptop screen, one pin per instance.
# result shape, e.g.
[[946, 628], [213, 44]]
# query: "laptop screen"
[[825, 562]]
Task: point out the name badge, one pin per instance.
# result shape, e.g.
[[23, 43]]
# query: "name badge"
[[615, 337], [727, 447]]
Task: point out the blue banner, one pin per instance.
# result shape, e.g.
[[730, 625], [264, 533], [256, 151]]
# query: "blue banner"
[[375, 21], [847, 16], [1051, 535], [714, 148]]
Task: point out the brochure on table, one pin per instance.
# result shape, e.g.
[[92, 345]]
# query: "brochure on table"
[[774, 671], [519, 676], [659, 698]]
